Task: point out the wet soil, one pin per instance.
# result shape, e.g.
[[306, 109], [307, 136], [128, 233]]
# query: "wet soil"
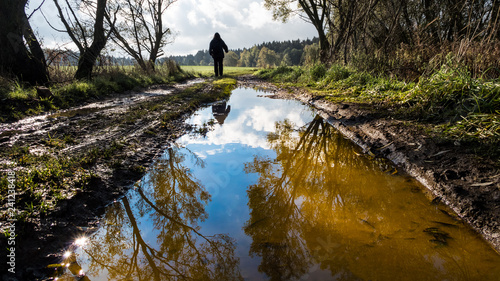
[[467, 184]]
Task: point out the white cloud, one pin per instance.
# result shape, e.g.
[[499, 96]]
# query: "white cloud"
[[193, 18], [257, 16]]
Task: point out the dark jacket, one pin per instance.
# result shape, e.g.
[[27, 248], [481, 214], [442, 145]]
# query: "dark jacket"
[[217, 48]]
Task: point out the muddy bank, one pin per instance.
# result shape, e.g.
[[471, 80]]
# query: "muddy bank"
[[131, 128], [453, 174]]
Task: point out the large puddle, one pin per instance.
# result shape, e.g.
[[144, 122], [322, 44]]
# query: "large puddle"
[[267, 190]]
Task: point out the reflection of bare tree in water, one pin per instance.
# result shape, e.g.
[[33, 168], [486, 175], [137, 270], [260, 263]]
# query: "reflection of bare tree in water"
[[305, 178], [174, 202], [321, 205]]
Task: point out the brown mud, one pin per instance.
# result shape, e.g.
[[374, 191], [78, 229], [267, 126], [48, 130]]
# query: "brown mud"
[[467, 184]]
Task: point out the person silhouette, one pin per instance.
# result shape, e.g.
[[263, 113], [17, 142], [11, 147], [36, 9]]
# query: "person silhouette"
[[221, 111], [216, 50]]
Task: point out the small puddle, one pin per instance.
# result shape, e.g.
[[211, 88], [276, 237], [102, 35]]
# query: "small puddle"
[[270, 191]]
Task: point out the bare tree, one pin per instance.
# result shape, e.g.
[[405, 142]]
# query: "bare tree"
[[20, 51], [83, 29], [141, 31]]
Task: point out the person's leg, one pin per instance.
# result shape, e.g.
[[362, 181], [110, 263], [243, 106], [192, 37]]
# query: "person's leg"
[[216, 68], [218, 63], [221, 67]]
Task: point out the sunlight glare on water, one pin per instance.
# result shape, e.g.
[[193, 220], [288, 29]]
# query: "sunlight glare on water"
[[267, 190]]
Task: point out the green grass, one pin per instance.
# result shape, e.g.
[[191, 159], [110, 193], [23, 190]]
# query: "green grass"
[[42, 180], [205, 71]]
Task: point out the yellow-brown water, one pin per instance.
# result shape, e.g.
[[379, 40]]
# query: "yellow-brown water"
[[272, 192]]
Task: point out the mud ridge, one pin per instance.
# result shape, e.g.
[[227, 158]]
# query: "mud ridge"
[[470, 186]]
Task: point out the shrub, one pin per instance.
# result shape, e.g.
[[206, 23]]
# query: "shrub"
[[318, 72], [281, 74]]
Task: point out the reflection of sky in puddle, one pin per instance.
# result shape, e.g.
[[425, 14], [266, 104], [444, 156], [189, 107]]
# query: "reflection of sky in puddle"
[[321, 209], [225, 150]]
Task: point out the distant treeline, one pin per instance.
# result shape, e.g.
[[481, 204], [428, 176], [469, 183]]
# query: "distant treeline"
[[295, 52]]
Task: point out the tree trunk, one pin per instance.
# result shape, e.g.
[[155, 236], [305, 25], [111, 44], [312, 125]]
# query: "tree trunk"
[[87, 61], [431, 14], [15, 58], [318, 13], [324, 48], [89, 55], [495, 19]]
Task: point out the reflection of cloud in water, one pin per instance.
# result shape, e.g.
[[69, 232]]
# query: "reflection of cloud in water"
[[203, 154], [264, 119], [247, 126], [299, 201]]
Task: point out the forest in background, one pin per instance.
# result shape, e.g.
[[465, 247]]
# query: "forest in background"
[[267, 54]]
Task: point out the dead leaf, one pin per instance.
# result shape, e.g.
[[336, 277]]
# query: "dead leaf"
[[439, 153], [483, 184]]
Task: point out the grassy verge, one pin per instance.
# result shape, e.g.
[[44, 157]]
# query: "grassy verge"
[[451, 104], [45, 175]]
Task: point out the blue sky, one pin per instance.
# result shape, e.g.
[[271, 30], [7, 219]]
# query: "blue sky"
[[241, 23]]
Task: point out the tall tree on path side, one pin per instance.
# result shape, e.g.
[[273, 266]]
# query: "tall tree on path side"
[[81, 31], [317, 12], [20, 52]]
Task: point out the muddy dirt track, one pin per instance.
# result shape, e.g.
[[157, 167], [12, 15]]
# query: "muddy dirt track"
[[133, 122], [468, 185]]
